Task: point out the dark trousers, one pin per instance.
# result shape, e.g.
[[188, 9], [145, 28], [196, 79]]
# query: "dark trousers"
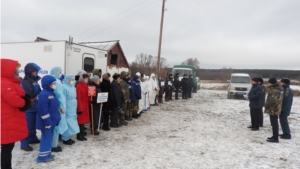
[[168, 95], [190, 92], [176, 93], [114, 117], [274, 124], [105, 117], [30, 118], [254, 113], [6, 155], [261, 117], [285, 125], [184, 93]]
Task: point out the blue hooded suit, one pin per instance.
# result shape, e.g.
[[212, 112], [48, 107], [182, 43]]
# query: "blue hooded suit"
[[48, 115], [71, 108], [59, 94], [32, 88]]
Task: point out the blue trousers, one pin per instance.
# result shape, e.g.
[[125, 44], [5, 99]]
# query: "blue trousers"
[[45, 145], [30, 118]]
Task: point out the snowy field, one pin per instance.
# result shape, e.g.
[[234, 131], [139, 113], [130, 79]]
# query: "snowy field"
[[208, 131]]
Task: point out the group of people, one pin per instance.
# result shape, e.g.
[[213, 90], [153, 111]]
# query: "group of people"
[[278, 103], [62, 107]]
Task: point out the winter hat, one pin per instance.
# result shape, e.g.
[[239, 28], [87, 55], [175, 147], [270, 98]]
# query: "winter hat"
[[69, 77], [191, 75], [255, 79], [272, 80], [261, 80], [95, 78], [105, 75], [177, 74], [184, 75], [285, 80], [138, 73], [116, 76]]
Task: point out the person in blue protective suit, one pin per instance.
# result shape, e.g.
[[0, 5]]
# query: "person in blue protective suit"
[[32, 88], [71, 109], [56, 72], [48, 116]]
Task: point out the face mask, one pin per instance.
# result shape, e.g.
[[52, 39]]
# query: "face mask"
[[53, 87], [59, 75], [72, 83]]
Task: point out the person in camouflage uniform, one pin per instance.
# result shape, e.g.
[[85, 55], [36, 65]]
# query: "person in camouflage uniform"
[[125, 97], [287, 103], [273, 107]]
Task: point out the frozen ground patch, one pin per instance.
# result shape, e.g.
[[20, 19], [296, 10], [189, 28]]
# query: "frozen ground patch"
[[208, 131]]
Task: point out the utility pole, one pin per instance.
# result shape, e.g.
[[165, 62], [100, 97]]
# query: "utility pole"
[[160, 37]]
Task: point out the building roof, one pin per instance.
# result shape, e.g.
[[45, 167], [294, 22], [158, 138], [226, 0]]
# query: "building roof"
[[103, 45]]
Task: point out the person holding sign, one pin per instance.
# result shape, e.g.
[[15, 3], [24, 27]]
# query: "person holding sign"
[[117, 100], [71, 109], [83, 101], [95, 81], [107, 106]]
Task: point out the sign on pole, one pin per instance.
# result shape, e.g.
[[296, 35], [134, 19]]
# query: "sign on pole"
[[91, 90], [162, 83], [102, 97]]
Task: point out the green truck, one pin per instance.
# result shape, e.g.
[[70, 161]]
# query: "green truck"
[[189, 70]]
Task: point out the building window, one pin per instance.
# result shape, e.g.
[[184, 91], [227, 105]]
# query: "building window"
[[114, 59], [88, 64]]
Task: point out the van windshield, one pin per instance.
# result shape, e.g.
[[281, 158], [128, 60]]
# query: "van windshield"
[[182, 72], [237, 79]]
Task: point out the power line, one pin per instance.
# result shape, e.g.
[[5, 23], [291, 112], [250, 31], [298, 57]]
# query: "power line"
[[110, 18], [120, 21]]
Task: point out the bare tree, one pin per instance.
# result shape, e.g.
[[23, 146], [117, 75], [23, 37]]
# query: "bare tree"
[[192, 62]]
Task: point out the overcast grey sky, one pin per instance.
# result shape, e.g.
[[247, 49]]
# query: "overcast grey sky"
[[251, 34]]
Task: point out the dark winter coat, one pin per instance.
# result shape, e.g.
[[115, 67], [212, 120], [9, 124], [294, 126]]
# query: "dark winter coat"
[[191, 83], [161, 89], [30, 83], [131, 92], [13, 120], [263, 96], [83, 101], [185, 83], [177, 82], [47, 106], [105, 87], [254, 97], [287, 101], [117, 94], [137, 88]]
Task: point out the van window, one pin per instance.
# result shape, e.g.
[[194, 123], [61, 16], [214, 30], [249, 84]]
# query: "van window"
[[182, 72], [88, 64], [114, 59], [239, 79]]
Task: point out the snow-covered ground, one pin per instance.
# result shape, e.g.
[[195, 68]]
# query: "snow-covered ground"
[[295, 87], [208, 131], [213, 85]]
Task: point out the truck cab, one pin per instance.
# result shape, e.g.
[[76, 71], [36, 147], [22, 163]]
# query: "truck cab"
[[239, 85], [189, 70]]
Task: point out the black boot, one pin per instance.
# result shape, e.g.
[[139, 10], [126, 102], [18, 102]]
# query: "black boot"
[[68, 142], [27, 148], [80, 135], [96, 133], [106, 121], [273, 140]]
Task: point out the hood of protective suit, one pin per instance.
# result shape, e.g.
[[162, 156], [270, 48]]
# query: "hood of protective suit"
[[55, 71], [69, 77]]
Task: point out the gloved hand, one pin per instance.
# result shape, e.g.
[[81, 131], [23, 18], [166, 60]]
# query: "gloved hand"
[[28, 103], [245, 96], [79, 113], [47, 127]]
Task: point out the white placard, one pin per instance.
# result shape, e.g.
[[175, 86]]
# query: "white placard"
[[170, 83], [102, 97], [162, 83]]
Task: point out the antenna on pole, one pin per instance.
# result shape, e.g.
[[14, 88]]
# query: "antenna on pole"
[[160, 37]]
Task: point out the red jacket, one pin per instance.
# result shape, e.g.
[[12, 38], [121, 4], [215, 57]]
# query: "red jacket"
[[13, 121], [83, 101]]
